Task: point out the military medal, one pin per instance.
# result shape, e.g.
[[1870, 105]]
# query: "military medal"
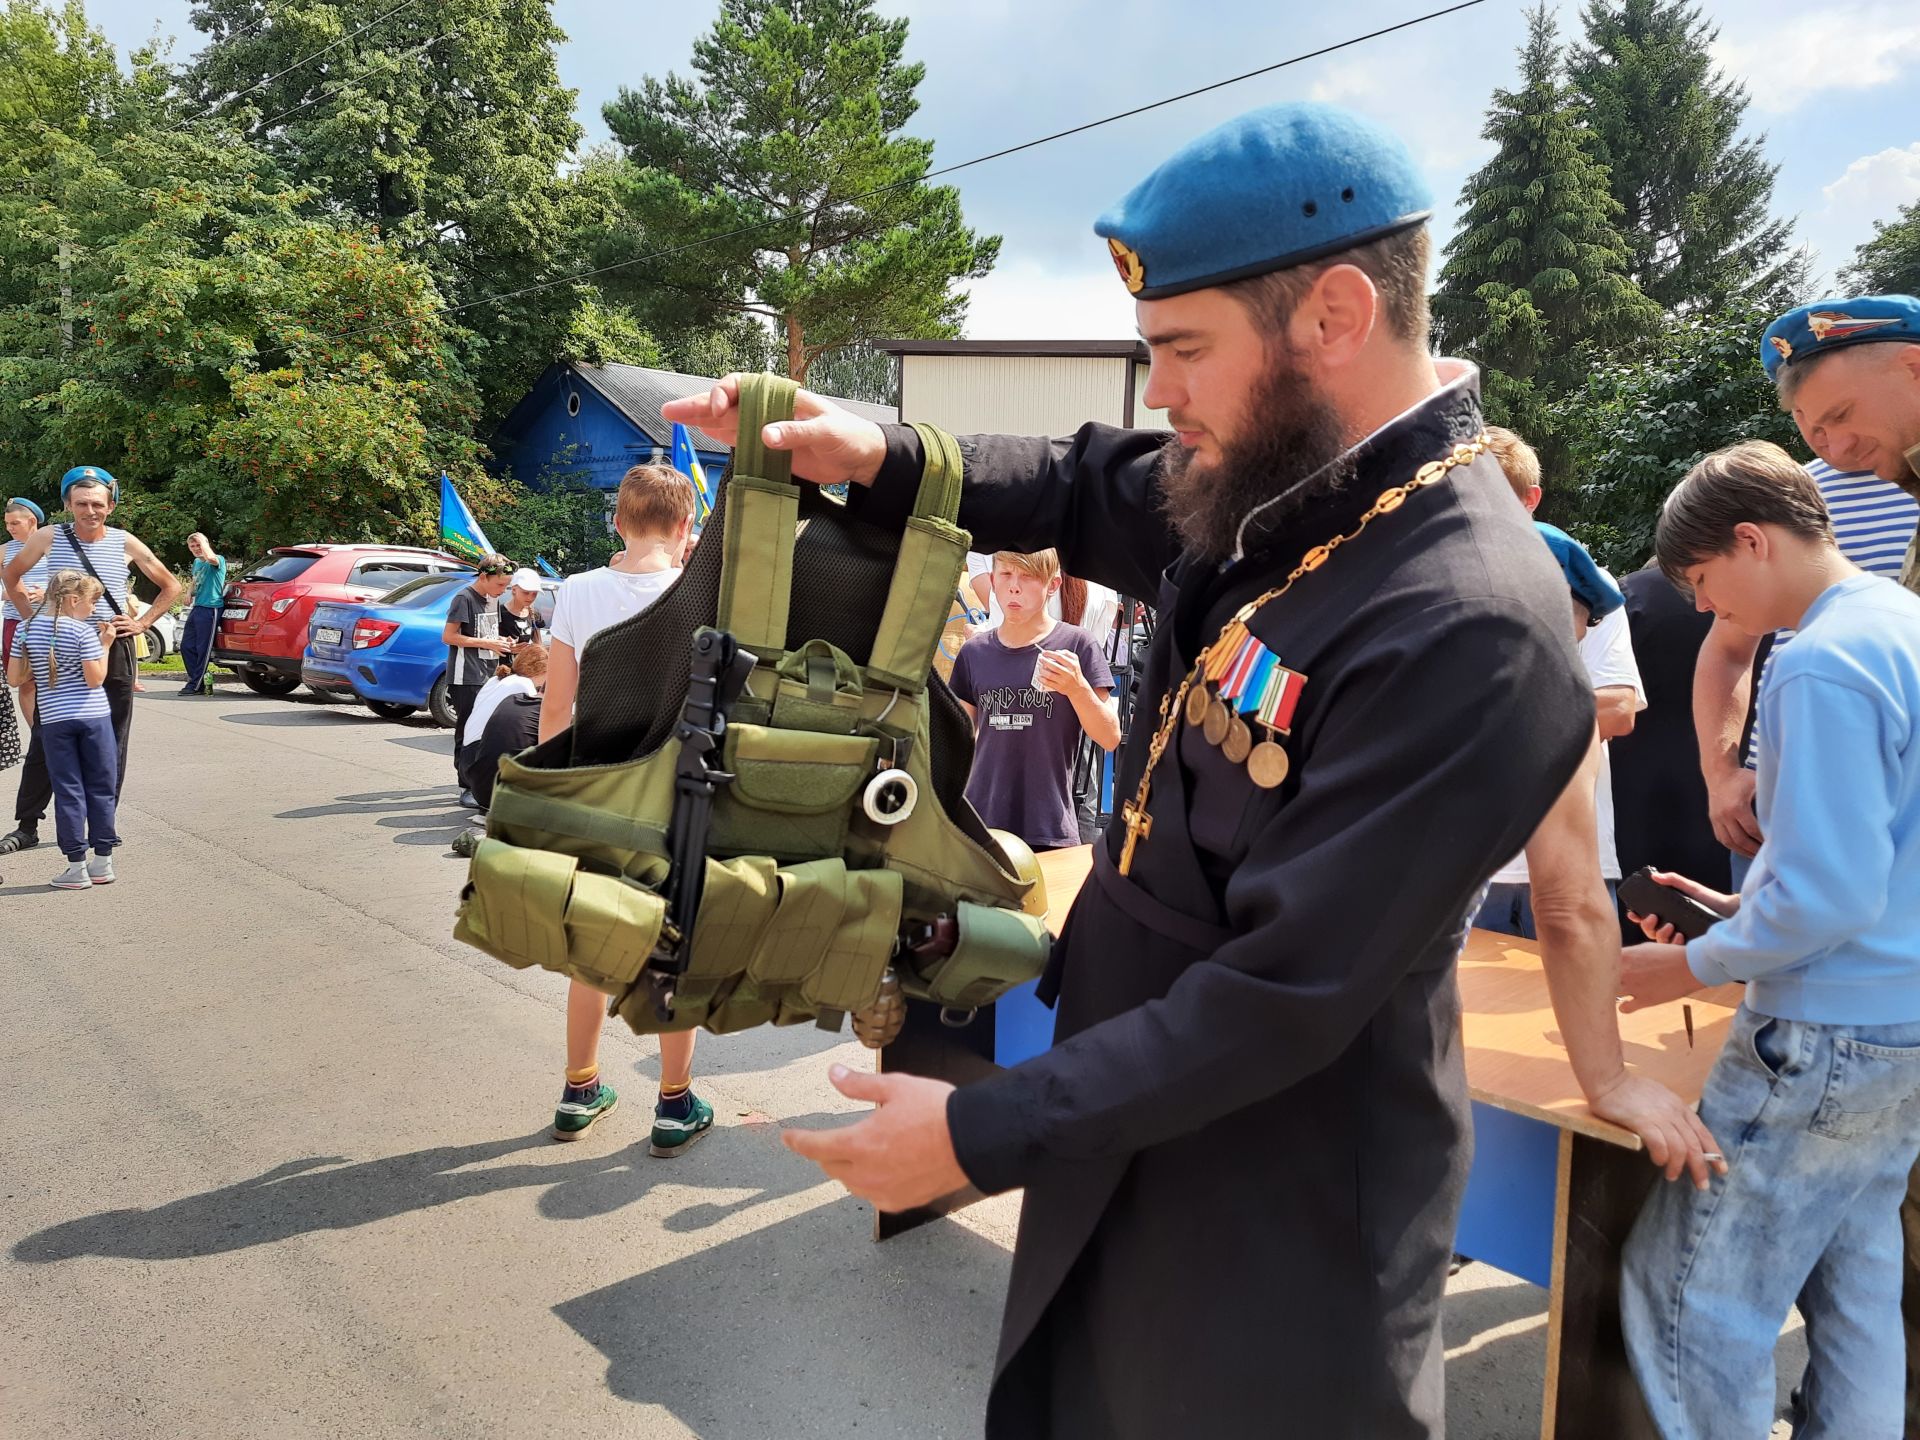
[[1198, 699], [1237, 676], [1239, 741], [1267, 766]]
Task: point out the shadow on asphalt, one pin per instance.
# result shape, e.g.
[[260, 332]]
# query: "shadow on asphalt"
[[801, 1328], [421, 817], [317, 713], [302, 1197], [434, 742]]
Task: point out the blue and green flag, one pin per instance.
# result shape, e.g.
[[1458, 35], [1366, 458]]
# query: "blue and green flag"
[[688, 464], [460, 533]]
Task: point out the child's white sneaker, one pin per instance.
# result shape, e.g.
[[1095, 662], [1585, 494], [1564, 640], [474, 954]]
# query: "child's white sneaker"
[[74, 877], [100, 870]]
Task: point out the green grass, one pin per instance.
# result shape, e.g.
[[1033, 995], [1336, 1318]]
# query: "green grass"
[[171, 665]]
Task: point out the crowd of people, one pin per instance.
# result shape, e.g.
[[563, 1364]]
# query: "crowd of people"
[[1250, 1029]]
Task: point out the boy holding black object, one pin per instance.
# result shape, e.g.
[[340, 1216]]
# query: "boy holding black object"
[[1820, 1080]]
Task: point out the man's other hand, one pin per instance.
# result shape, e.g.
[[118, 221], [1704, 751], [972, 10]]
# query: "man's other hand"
[[1730, 808], [1675, 1138], [900, 1155], [830, 446]]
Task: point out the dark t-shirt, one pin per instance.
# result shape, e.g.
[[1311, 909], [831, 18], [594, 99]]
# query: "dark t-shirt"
[[479, 616], [518, 627], [514, 726], [1023, 754]]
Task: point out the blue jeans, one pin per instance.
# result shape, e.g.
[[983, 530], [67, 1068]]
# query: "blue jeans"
[[83, 766], [1820, 1125], [196, 644], [1508, 909]]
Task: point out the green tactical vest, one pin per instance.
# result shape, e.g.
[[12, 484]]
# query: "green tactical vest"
[[842, 851]]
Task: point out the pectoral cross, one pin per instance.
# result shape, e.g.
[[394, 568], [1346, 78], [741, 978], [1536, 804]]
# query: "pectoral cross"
[[1139, 826]]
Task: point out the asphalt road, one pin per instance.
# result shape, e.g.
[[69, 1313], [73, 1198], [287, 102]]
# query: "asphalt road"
[[274, 1155]]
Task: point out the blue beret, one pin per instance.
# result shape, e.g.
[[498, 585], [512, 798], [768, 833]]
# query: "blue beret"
[[1276, 187], [89, 472], [1827, 325], [21, 501], [1584, 578]]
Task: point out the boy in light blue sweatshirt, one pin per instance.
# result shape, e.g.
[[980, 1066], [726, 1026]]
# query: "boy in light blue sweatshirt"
[[1817, 1092]]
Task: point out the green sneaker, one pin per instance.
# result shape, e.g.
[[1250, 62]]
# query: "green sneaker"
[[579, 1110], [672, 1135]]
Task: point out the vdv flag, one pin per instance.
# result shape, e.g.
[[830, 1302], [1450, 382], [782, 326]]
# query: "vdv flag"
[[460, 533], [546, 569], [688, 464]]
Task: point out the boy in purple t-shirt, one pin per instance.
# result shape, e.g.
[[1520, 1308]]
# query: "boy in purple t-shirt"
[[1032, 687]]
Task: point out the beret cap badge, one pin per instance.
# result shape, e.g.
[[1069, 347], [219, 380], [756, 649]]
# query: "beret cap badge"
[[1835, 324], [1785, 350], [1127, 261]]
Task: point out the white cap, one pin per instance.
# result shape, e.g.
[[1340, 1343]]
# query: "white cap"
[[525, 579]]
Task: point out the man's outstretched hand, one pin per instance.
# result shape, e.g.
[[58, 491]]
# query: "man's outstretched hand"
[[899, 1156], [830, 446]]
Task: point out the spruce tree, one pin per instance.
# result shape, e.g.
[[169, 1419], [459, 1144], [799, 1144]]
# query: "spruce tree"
[[1538, 266], [1889, 263], [1665, 121]]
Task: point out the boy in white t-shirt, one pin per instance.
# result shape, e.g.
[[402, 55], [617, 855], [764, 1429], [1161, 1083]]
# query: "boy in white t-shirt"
[[1606, 649], [654, 515]]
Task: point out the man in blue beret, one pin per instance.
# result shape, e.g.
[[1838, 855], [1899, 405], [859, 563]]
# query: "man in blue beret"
[[1848, 370], [1244, 1155]]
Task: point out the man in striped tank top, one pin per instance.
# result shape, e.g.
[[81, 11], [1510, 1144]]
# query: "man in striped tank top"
[[89, 545], [1848, 371]]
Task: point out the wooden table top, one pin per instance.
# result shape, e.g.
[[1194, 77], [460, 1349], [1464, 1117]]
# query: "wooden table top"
[[1515, 1058]]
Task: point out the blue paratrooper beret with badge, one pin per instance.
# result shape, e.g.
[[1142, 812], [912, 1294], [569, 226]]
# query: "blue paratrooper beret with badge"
[[89, 472], [1587, 581], [1280, 186], [1829, 325]]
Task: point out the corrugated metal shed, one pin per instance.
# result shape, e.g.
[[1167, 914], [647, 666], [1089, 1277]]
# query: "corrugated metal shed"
[[1023, 387]]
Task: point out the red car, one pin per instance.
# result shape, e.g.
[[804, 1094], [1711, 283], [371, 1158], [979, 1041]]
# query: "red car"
[[263, 618]]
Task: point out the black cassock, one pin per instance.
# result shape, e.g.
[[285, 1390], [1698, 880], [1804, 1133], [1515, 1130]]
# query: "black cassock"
[[1244, 1155]]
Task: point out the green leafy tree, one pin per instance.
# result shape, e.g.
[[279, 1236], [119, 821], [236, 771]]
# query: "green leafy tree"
[[1639, 421], [562, 520], [243, 368], [1889, 263], [1694, 196], [1538, 267], [445, 126], [790, 134]]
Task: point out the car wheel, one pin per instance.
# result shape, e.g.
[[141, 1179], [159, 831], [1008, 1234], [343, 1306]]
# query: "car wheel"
[[156, 646], [440, 705], [388, 710], [265, 682]]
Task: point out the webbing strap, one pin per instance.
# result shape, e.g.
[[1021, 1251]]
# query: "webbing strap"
[[939, 495], [933, 555], [763, 509]]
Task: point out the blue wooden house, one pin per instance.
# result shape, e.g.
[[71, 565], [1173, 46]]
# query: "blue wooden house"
[[595, 422]]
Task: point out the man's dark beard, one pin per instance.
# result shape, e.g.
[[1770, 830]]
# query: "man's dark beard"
[[1290, 433]]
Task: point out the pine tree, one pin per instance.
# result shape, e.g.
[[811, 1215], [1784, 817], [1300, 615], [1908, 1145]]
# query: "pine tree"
[[779, 185], [1889, 263], [1538, 266], [1693, 195]]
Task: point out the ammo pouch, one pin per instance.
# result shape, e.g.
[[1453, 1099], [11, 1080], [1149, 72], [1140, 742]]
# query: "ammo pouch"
[[838, 842]]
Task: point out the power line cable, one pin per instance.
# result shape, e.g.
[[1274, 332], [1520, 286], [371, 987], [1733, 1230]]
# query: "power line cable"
[[305, 60], [784, 216], [339, 85]]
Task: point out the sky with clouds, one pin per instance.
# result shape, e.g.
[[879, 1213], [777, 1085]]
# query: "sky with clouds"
[[1831, 88]]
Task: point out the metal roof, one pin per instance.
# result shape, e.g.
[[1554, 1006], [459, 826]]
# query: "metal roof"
[[638, 393], [1074, 349]]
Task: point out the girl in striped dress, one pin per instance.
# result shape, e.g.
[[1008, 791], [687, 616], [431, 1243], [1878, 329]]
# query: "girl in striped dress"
[[59, 651]]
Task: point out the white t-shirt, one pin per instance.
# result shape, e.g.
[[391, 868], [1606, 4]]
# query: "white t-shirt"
[[589, 602], [1607, 652], [488, 700]]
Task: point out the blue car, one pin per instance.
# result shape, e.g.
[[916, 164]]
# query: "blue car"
[[392, 654]]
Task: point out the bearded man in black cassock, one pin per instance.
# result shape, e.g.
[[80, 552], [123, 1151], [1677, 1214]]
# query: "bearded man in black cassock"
[[1244, 1155]]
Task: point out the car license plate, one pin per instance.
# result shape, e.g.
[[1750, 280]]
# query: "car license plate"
[[234, 612], [326, 635]]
